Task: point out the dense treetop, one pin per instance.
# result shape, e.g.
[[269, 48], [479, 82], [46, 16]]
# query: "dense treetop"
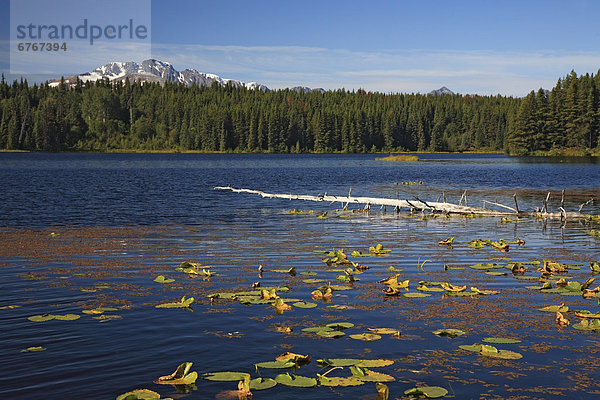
[[104, 116]]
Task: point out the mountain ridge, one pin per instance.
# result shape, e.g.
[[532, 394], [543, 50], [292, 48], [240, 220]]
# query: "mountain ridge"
[[153, 70]]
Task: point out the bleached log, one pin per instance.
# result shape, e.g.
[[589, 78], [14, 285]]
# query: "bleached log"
[[416, 204]]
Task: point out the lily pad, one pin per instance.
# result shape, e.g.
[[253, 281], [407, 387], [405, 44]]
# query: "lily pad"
[[262, 383], [33, 349], [500, 340], [181, 376], [41, 318], [308, 273], [559, 308], [340, 325], [316, 329], [374, 363], [383, 331], [339, 381], [491, 351], [296, 380], [449, 332], [331, 334], [67, 317], [276, 364], [415, 294], [588, 325], [339, 362], [183, 303], [162, 279], [225, 376], [431, 392], [139, 394], [367, 337], [304, 304], [313, 280], [365, 374]]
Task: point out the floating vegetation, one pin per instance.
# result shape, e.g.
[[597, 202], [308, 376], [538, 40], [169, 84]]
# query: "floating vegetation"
[[162, 279], [140, 394], [195, 269], [398, 157], [410, 183], [181, 376], [491, 351], [593, 232], [295, 380], [449, 332], [367, 337], [33, 349], [48, 317], [500, 340], [588, 325], [183, 303], [430, 392], [378, 250], [446, 242]]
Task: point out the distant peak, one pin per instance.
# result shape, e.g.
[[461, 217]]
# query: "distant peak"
[[442, 90]]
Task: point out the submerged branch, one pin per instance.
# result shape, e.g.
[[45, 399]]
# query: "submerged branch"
[[420, 205]]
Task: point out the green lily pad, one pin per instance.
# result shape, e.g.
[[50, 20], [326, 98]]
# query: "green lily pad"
[[365, 374], [313, 280], [181, 376], [162, 279], [339, 381], [449, 332], [339, 362], [262, 383], [315, 329], [276, 364], [484, 266], [494, 273], [460, 294], [340, 325], [340, 287], [553, 309], [33, 349], [424, 288], [526, 278], [296, 380], [67, 317], [588, 325], [304, 304], [139, 394], [374, 363], [431, 392], [491, 351], [225, 376], [500, 340], [331, 334], [183, 303], [416, 294], [308, 273], [41, 318], [367, 337]]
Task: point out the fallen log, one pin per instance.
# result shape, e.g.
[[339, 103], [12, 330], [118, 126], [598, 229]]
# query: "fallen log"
[[418, 205]]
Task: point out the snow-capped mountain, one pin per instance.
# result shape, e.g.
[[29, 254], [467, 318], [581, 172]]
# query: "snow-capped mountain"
[[442, 90], [155, 71]]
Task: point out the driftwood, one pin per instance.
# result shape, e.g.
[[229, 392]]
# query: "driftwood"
[[418, 205]]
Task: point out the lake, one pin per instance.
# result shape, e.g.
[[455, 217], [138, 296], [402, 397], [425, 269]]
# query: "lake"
[[87, 234]]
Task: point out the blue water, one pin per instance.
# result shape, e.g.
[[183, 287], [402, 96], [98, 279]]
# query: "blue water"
[[119, 220]]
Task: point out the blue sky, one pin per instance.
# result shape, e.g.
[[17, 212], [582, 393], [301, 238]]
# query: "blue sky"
[[484, 47]]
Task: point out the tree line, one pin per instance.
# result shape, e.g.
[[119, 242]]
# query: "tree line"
[[105, 116]]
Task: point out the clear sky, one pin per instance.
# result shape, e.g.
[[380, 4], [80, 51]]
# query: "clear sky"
[[486, 47]]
